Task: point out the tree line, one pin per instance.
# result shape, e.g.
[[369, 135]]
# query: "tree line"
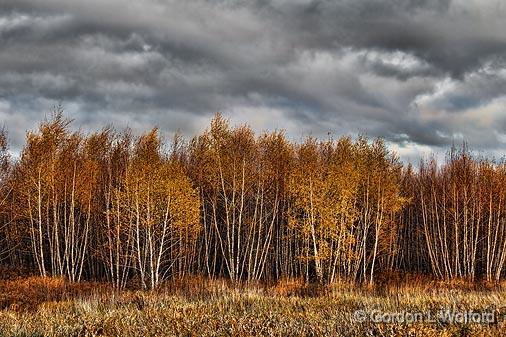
[[229, 203]]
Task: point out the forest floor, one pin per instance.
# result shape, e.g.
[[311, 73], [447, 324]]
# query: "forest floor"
[[34, 306]]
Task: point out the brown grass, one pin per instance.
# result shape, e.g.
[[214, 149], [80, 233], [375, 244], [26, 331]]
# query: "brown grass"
[[202, 307], [26, 294]]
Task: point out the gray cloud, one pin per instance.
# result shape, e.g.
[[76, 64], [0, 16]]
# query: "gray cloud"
[[421, 74]]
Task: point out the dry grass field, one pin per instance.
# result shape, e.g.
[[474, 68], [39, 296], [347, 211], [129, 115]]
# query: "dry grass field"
[[37, 306]]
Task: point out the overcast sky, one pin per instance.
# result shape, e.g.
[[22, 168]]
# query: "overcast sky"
[[419, 73]]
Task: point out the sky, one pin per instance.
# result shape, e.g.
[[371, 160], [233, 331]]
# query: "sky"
[[422, 74]]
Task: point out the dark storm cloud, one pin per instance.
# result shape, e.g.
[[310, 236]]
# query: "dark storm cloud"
[[419, 73]]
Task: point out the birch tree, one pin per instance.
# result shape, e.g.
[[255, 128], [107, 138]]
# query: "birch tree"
[[162, 210]]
